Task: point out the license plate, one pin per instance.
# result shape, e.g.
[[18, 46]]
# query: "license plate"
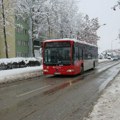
[[57, 73]]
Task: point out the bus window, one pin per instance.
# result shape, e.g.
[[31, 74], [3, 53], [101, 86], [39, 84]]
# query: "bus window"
[[76, 55], [47, 56], [89, 56], [80, 53], [57, 56]]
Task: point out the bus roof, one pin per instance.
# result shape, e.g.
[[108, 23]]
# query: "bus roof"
[[69, 39]]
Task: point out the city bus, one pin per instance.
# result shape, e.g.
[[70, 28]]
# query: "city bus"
[[68, 57]]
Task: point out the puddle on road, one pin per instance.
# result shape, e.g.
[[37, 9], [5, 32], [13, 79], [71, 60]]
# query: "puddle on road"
[[63, 85]]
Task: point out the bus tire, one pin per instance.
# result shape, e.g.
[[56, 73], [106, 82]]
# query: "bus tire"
[[81, 69], [93, 65]]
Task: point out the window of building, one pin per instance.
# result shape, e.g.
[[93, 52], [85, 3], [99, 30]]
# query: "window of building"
[[18, 29], [25, 31], [19, 43], [18, 54]]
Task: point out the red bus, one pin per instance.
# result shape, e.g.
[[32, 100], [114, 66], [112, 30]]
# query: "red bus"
[[68, 57]]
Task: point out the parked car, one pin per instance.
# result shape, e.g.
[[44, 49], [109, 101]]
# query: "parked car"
[[115, 58]]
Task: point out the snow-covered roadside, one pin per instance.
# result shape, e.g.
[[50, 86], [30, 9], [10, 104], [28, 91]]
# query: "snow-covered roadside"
[[108, 105], [19, 74], [103, 60], [22, 73], [17, 60]]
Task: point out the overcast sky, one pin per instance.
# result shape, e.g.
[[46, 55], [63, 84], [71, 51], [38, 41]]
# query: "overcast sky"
[[102, 10]]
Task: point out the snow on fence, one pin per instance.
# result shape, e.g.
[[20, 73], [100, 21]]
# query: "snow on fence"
[[12, 63]]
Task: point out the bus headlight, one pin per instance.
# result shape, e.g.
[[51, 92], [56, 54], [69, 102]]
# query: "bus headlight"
[[45, 70], [70, 70]]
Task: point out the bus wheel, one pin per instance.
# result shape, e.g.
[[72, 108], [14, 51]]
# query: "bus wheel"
[[81, 70], [93, 65]]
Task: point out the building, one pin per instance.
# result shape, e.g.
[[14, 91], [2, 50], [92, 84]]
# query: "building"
[[21, 38], [17, 36]]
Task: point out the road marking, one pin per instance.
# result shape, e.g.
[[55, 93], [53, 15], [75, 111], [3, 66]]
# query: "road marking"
[[20, 95]]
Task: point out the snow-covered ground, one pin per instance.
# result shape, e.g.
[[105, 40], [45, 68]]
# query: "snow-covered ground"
[[17, 60], [20, 73], [103, 60], [108, 105]]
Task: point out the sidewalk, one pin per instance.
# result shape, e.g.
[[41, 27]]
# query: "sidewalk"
[[108, 105]]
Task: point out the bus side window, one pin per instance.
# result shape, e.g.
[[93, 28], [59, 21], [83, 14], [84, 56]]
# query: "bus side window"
[[89, 56], [47, 56], [80, 53], [76, 53]]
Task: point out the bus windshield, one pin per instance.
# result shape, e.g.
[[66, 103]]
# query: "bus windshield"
[[57, 53]]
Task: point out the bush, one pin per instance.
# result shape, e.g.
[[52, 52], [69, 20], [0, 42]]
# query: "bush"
[[18, 63]]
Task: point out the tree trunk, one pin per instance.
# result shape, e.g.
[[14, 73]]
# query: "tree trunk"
[[32, 54], [4, 30], [33, 40]]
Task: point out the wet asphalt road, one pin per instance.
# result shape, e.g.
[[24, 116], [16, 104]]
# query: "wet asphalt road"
[[36, 99]]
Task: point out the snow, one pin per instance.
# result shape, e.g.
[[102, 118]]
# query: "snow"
[[20, 73], [103, 60], [19, 59], [108, 105]]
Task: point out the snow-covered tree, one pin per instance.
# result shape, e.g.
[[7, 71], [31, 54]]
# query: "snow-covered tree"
[[34, 11], [24, 10], [64, 11], [51, 17], [114, 8], [87, 29], [55, 17], [117, 5]]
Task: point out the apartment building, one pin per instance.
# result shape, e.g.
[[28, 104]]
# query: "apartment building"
[[17, 36], [21, 38]]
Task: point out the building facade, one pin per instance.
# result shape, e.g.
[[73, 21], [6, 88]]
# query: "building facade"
[[22, 38], [17, 36]]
